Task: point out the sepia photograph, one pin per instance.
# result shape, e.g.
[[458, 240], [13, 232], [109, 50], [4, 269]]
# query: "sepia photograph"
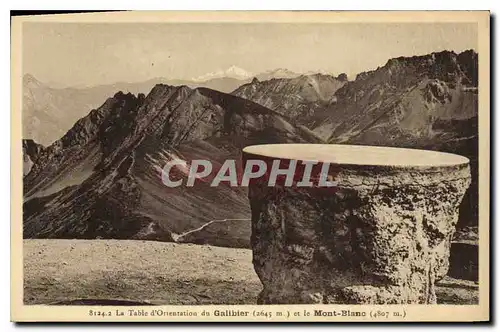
[[176, 164]]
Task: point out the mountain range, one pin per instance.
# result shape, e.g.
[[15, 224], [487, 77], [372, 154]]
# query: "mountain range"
[[241, 74], [49, 112], [102, 177], [427, 102]]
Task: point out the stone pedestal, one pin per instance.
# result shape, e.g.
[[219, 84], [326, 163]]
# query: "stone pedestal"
[[381, 235]]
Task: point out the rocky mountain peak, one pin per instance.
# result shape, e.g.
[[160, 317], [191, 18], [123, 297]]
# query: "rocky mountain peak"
[[31, 152], [32, 148], [445, 65], [276, 73], [342, 77], [123, 95], [103, 177], [296, 98], [30, 80]]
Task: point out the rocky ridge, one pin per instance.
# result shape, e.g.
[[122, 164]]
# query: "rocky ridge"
[[297, 98], [428, 102], [31, 151]]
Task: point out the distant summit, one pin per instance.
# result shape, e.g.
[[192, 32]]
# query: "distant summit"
[[101, 176], [232, 72], [276, 73]]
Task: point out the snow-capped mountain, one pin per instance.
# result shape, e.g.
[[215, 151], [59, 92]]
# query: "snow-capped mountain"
[[238, 73], [231, 72], [318, 71], [276, 73]]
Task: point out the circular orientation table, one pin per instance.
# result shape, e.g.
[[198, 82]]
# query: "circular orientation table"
[[380, 235]]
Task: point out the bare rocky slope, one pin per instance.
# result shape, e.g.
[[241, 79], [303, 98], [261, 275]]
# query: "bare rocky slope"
[[297, 98], [102, 179], [428, 102]]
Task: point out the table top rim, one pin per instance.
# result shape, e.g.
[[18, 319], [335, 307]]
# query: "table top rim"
[[373, 155]]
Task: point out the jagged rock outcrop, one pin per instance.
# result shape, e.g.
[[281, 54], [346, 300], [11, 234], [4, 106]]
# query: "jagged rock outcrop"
[[31, 151], [423, 102], [381, 235], [296, 98], [428, 102], [103, 178]]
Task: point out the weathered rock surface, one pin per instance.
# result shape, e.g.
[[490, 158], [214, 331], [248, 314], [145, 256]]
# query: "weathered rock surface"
[[31, 151], [382, 235], [464, 261]]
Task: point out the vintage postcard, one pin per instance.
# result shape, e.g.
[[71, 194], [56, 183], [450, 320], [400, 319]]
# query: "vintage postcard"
[[251, 167]]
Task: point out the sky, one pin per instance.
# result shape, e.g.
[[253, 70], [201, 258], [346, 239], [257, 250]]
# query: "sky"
[[89, 54]]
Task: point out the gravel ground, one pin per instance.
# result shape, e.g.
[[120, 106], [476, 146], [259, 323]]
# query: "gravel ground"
[[61, 271], [156, 272]]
